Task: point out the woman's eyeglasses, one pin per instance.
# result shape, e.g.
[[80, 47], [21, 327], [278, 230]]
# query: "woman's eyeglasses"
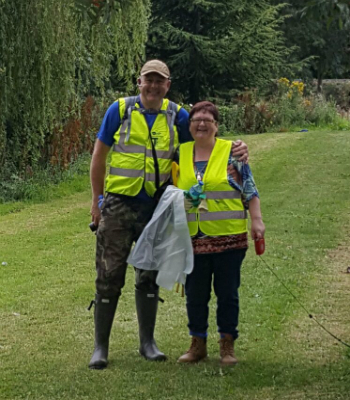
[[204, 120]]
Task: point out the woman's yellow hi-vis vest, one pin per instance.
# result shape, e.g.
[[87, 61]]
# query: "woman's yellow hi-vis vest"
[[132, 164], [226, 214]]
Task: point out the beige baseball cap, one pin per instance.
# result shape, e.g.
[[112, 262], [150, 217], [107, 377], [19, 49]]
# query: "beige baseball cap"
[[156, 66]]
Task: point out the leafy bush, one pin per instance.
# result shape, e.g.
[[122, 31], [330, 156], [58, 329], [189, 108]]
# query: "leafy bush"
[[321, 112], [229, 116], [285, 108], [339, 91]]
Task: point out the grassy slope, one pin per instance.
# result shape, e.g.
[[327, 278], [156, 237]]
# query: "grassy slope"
[[46, 334]]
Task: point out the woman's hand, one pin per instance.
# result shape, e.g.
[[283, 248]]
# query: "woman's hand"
[[240, 149], [257, 228]]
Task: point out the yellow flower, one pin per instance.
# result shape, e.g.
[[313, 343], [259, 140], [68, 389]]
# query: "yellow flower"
[[284, 81]]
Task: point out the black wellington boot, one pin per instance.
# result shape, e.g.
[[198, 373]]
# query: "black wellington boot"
[[146, 307], [104, 313]]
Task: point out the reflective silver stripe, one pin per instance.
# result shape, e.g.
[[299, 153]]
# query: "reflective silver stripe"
[[216, 216], [167, 154], [129, 173], [221, 195], [126, 122], [123, 129], [152, 177], [171, 115], [220, 215], [129, 124], [134, 173], [191, 217], [133, 148]]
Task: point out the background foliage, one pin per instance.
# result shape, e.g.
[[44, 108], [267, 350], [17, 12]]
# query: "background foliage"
[[60, 60], [214, 47], [320, 30]]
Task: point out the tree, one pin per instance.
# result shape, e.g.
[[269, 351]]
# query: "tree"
[[55, 53], [329, 11], [213, 47], [321, 31]]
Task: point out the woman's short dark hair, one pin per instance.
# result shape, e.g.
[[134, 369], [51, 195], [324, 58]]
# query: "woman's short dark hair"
[[205, 106]]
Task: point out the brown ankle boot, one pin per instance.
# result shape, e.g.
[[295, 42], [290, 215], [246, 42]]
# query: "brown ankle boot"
[[226, 351], [197, 351]]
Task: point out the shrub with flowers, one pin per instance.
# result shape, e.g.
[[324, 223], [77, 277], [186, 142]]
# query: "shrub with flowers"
[[286, 108]]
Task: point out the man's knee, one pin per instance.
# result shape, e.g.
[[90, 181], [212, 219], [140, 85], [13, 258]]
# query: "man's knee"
[[146, 280], [109, 289], [110, 282]]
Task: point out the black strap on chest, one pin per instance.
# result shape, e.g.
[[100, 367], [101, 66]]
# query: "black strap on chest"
[[155, 161], [170, 114]]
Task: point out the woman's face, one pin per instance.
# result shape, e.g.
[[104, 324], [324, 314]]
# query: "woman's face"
[[203, 127]]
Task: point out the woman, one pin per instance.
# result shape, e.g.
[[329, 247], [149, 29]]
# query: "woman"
[[219, 234]]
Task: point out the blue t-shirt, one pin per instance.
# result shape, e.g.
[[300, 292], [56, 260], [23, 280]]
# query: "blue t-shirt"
[[111, 123]]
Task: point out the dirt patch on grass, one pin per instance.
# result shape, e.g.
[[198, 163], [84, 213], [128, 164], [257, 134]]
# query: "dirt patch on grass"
[[330, 307], [340, 259]]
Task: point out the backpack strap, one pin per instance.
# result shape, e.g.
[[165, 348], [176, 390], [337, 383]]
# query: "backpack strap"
[[126, 120]]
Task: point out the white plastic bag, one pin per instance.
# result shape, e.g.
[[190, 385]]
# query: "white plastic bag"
[[165, 243]]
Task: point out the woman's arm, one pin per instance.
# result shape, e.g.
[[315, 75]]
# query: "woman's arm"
[[257, 225]]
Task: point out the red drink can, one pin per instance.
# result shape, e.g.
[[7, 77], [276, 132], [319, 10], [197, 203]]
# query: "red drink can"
[[259, 246]]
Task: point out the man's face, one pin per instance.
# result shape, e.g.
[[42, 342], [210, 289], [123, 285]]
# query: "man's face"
[[153, 88]]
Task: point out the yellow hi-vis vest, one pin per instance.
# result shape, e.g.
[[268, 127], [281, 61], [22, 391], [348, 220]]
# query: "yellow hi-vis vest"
[[226, 214], [132, 163]]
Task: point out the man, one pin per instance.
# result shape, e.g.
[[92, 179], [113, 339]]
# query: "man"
[[144, 132]]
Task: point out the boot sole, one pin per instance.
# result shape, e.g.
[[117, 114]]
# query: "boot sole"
[[157, 358], [192, 362], [98, 366]]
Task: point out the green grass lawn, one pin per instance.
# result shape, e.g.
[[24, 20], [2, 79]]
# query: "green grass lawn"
[[46, 333]]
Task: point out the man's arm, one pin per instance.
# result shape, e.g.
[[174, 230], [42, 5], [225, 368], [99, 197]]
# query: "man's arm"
[[105, 140], [182, 124], [97, 177]]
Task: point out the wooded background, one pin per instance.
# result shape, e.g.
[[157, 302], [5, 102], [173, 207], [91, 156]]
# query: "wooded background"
[[63, 61]]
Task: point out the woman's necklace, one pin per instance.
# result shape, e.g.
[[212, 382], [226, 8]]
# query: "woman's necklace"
[[200, 171], [200, 166]]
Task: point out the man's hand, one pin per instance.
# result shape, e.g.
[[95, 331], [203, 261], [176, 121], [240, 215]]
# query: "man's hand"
[[240, 149], [95, 213]]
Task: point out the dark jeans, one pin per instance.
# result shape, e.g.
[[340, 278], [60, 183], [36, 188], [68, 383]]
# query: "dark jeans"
[[226, 270]]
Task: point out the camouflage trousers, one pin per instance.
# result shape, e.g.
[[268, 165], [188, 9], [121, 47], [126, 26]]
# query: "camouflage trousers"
[[123, 219]]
